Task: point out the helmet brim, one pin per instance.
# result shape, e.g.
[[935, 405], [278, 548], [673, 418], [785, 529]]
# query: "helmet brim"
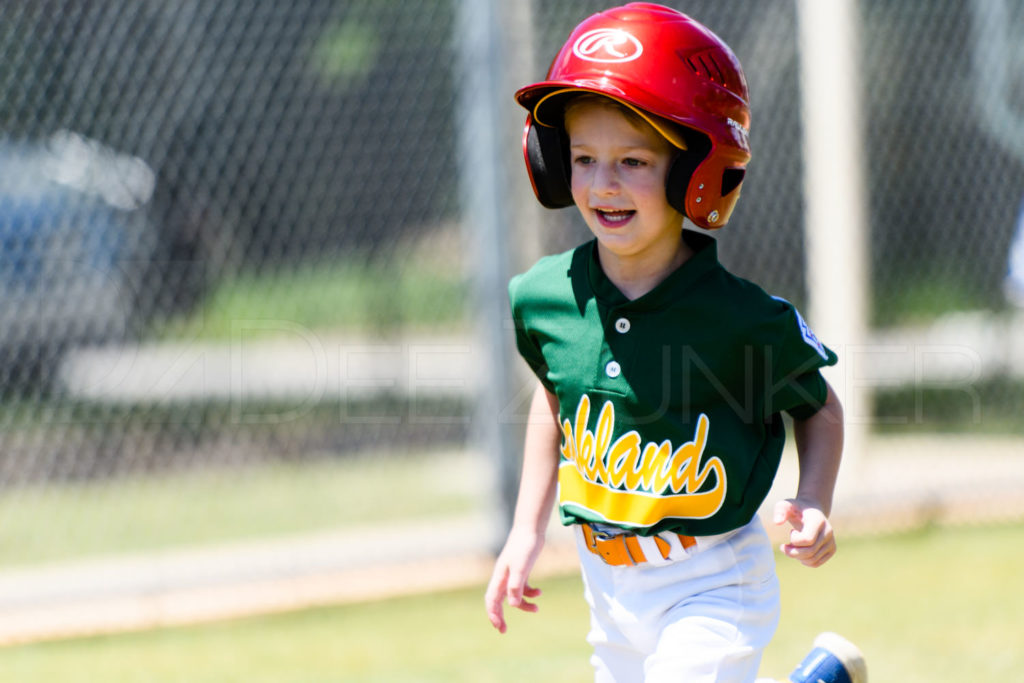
[[547, 105]]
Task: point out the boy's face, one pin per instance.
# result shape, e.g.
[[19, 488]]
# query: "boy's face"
[[619, 167]]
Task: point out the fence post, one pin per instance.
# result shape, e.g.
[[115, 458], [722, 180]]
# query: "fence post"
[[486, 228], [836, 230]]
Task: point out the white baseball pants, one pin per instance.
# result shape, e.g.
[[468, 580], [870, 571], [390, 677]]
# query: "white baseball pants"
[[703, 616]]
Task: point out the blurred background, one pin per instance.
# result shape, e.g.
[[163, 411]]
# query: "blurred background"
[[253, 326]]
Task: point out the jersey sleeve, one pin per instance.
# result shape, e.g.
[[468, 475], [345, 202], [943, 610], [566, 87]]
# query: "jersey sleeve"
[[794, 357], [526, 343]]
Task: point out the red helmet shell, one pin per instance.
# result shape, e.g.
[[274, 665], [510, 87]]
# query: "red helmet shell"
[[661, 61]]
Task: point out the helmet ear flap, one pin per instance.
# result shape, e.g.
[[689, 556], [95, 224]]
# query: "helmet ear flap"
[[677, 184], [546, 151]]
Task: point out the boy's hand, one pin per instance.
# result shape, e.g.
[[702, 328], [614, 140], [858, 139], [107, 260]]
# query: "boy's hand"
[[509, 579], [811, 540]]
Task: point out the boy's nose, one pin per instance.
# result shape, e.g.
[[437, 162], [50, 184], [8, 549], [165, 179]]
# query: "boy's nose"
[[606, 180]]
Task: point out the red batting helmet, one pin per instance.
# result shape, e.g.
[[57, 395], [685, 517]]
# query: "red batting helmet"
[[675, 73]]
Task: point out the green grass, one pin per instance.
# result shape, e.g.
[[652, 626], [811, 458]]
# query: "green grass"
[[71, 521], [985, 406], [914, 297], [935, 606], [354, 296], [442, 638]]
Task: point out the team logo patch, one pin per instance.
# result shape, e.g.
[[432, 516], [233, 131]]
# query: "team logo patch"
[[607, 45], [805, 331]]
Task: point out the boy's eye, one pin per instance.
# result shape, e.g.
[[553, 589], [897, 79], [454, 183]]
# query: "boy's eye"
[[582, 159], [633, 162]]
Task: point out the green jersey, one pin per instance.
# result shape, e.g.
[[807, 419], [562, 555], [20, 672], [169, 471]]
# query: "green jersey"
[[670, 404]]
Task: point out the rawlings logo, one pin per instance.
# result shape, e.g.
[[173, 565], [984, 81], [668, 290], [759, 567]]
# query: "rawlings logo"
[[608, 45]]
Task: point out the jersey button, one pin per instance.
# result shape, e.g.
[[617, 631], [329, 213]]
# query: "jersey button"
[[622, 325], [613, 369]]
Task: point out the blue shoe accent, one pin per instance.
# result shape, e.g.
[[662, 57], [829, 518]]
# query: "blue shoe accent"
[[820, 666], [833, 660]]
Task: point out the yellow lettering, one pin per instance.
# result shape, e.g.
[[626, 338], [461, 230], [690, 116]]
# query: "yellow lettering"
[[620, 477], [644, 473], [622, 458], [605, 426], [686, 461], [568, 443]]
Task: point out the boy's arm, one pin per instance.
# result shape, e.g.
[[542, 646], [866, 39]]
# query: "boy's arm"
[[819, 443], [537, 487]]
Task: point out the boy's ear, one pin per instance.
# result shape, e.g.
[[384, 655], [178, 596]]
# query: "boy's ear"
[[546, 151]]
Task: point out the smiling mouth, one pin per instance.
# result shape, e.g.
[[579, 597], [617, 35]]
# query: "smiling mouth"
[[613, 218]]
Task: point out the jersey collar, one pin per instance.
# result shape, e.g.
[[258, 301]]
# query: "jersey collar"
[[670, 290]]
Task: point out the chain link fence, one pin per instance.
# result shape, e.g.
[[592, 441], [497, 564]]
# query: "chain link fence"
[[236, 287], [229, 244]]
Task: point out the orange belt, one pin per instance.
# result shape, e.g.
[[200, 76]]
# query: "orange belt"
[[624, 549]]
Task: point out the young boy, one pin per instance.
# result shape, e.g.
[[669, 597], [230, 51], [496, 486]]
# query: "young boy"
[[657, 421]]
